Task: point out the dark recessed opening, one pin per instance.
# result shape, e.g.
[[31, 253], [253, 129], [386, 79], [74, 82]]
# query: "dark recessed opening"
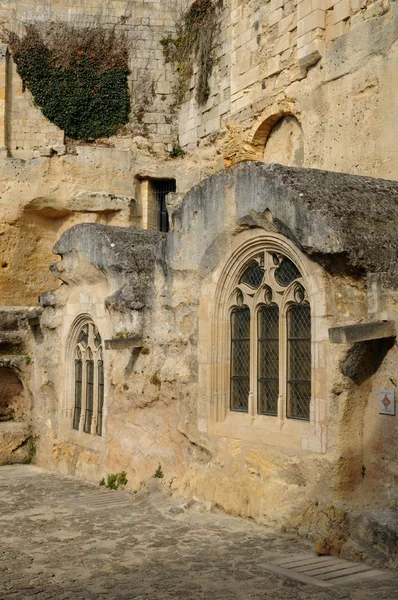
[[11, 394], [162, 187], [4, 265]]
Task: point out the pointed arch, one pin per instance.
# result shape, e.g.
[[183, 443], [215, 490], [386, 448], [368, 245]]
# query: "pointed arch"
[[84, 393]]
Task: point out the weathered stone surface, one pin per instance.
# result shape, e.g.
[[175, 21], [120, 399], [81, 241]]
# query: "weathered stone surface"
[[14, 446], [145, 545], [362, 332], [160, 398], [310, 207], [127, 256]]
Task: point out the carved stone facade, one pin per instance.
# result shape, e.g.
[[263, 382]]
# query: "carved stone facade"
[[127, 361]]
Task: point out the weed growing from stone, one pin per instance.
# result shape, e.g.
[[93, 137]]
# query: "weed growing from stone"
[[115, 480], [31, 452], [158, 473], [176, 151], [194, 45]]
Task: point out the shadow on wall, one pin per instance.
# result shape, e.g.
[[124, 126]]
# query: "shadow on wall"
[[279, 139], [285, 144], [13, 401]]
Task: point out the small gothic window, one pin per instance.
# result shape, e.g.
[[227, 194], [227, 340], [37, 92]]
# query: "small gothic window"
[[240, 358], [89, 381], [271, 339]]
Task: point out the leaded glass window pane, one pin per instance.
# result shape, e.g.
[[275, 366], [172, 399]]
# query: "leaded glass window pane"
[[253, 275], [89, 396], [100, 396], [299, 361], [240, 359], [286, 272], [268, 360], [78, 394]]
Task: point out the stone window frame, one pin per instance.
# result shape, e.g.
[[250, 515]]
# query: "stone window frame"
[[284, 297], [214, 416], [75, 350]]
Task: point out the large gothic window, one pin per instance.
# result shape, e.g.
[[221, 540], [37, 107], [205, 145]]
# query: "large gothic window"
[[89, 381], [270, 320]]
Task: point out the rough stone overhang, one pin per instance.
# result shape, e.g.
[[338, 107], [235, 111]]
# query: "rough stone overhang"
[[122, 256], [363, 332], [338, 219]]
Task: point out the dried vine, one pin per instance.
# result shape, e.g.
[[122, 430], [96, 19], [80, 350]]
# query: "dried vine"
[[194, 43], [77, 76]]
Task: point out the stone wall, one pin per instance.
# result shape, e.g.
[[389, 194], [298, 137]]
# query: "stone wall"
[[145, 22], [338, 114], [164, 400], [327, 64]]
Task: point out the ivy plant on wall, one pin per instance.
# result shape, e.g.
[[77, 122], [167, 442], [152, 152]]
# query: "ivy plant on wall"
[[77, 76], [193, 45]]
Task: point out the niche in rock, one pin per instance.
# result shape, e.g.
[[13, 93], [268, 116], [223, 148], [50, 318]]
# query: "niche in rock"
[[13, 398], [285, 144]]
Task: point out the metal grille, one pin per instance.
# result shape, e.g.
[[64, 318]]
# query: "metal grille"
[[161, 188], [268, 360], [299, 361], [253, 275], [89, 396], [286, 272], [100, 396], [240, 359], [78, 394]]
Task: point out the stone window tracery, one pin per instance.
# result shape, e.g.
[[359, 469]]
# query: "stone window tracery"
[[270, 327], [89, 381]]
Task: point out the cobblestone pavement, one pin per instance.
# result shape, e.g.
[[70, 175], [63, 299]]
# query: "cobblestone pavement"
[[67, 540]]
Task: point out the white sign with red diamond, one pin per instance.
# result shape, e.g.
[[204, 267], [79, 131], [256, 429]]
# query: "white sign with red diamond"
[[386, 402]]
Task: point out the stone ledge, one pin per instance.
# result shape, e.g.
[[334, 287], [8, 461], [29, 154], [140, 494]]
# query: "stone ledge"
[[122, 343], [362, 333]]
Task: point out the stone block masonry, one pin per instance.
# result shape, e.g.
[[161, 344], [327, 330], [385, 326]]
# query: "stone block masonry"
[[263, 48], [29, 134]]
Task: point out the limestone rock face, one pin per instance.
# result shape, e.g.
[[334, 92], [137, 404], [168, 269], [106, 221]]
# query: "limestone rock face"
[[14, 443], [315, 91], [91, 253], [157, 302], [312, 208]]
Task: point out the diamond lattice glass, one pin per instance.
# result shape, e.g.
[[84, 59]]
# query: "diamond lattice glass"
[[253, 275], [268, 360], [240, 359], [78, 393], [299, 361], [286, 272]]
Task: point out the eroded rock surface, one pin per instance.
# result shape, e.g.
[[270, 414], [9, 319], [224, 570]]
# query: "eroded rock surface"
[[56, 544]]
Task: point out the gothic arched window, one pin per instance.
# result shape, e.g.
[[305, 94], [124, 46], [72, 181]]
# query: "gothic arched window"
[[270, 320], [89, 381]]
